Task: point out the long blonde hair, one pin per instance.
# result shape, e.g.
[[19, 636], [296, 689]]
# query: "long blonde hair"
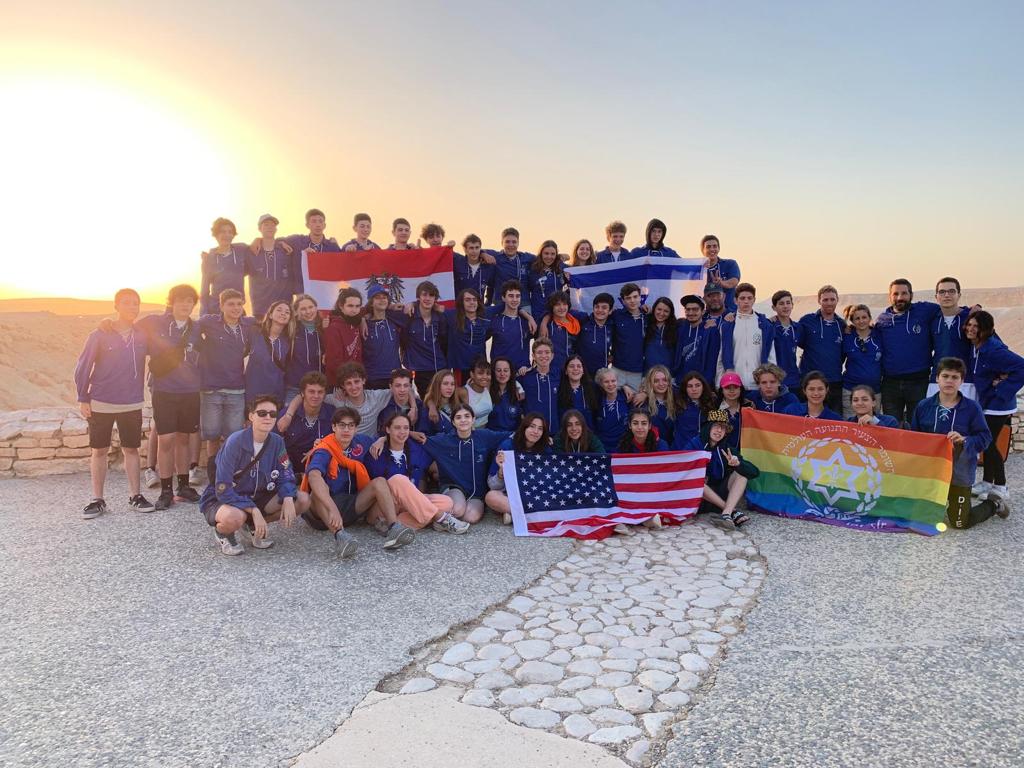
[[433, 395], [318, 321], [647, 385]]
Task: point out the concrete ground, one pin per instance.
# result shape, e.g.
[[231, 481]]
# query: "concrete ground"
[[873, 650], [130, 641]]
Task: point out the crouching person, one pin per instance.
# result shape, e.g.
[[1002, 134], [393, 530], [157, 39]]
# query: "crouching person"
[[727, 473], [341, 491], [961, 420], [252, 483]]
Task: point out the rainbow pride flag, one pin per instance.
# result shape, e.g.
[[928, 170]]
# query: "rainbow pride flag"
[[841, 473]]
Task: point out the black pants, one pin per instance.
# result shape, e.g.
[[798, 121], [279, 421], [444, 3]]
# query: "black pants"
[[901, 396], [959, 511], [993, 470]]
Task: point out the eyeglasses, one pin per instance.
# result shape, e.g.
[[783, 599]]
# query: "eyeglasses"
[[946, 292], [346, 424], [266, 414]]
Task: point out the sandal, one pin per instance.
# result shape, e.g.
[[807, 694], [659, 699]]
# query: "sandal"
[[723, 521], [739, 518]]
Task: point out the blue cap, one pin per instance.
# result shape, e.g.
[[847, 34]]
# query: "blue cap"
[[375, 289]]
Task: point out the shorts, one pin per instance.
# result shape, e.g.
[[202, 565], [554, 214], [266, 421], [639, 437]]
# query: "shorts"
[[175, 412], [129, 429], [262, 499], [221, 413], [346, 504]]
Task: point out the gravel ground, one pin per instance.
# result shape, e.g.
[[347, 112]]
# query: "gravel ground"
[[129, 640], [871, 650]]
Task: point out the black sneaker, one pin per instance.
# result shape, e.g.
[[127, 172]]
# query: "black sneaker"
[[164, 501], [140, 503], [94, 508], [186, 493]]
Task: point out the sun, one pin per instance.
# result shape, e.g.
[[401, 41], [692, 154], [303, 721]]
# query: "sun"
[[105, 186]]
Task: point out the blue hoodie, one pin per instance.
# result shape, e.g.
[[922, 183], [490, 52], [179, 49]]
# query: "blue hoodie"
[[509, 268], [541, 394], [728, 330], [659, 420], [540, 285], [273, 472], [800, 409], [464, 463], [505, 413], [111, 367], [264, 368], [880, 420], [564, 343], [967, 419], [656, 351], [778, 405], [822, 341], [162, 334], [628, 340], [482, 281], [726, 269], [412, 463], [304, 355], [718, 466], [863, 360], [222, 351], [697, 349], [605, 256], [689, 422], [610, 420], [382, 352], [949, 340], [907, 339], [467, 344], [272, 277], [345, 482], [425, 341], [300, 243], [787, 338], [990, 361], [510, 337], [594, 344], [391, 407], [220, 272], [301, 435]]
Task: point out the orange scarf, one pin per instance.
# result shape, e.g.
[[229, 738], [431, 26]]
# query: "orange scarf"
[[570, 323], [338, 459]]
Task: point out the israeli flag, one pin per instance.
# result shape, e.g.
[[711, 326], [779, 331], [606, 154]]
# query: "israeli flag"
[[656, 275]]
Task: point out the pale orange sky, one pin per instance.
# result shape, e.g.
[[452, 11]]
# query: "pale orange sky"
[[820, 146]]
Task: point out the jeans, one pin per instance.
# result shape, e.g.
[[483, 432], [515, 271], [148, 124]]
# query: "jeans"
[[901, 396], [220, 413]]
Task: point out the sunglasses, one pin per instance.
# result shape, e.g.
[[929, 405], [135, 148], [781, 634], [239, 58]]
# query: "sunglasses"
[[266, 414]]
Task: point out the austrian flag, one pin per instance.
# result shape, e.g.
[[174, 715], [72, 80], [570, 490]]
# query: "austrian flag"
[[585, 495], [324, 274]]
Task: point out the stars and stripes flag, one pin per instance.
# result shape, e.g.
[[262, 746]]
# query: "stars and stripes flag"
[[585, 495]]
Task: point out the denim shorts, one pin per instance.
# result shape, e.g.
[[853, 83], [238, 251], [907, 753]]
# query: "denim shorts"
[[221, 413]]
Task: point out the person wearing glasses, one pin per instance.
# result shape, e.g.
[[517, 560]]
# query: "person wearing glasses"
[[253, 484], [948, 336], [862, 355]]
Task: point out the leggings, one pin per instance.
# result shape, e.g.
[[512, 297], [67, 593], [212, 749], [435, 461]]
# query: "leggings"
[[992, 465]]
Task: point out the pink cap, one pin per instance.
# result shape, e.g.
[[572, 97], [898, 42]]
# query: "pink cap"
[[731, 378]]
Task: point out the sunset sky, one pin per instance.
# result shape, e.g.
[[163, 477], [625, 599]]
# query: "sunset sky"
[[847, 143]]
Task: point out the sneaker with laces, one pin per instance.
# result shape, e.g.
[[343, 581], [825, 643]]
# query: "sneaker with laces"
[[229, 544], [150, 478], [345, 544], [256, 542], [164, 501], [94, 508], [398, 535], [187, 494], [380, 525], [450, 524], [195, 476], [140, 503], [981, 489], [1002, 504]]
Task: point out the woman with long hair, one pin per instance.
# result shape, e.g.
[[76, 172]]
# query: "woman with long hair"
[[575, 436], [576, 390], [660, 402], [439, 403], [306, 352], [268, 353], [696, 401], [583, 254], [660, 336], [506, 396], [862, 353], [532, 436], [546, 276], [477, 391], [864, 402], [815, 388], [468, 331]]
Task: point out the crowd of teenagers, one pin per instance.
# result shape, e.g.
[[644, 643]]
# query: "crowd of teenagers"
[[396, 414]]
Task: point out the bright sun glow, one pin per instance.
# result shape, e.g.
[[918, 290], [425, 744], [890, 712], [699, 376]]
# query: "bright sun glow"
[[107, 188]]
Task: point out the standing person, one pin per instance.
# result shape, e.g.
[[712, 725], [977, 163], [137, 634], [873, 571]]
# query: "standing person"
[[629, 327], [771, 394], [510, 333], [863, 401], [506, 397], [562, 327], [434, 235], [724, 486], [696, 401], [540, 383], [610, 418], [814, 406], [306, 351], [315, 241], [594, 343], [223, 267], [531, 436], [960, 419], [575, 436], [616, 234], [862, 354], [998, 376], [821, 337], [725, 273], [748, 339], [787, 336], [467, 332], [582, 254], [403, 463], [272, 267], [510, 264], [661, 403], [948, 339], [306, 421], [382, 352], [351, 392], [362, 225], [576, 391], [174, 372], [471, 271], [697, 346], [443, 396], [425, 337], [904, 329], [342, 334], [661, 335], [109, 380], [224, 342], [462, 459], [655, 242], [714, 302], [401, 230], [253, 484], [342, 492], [545, 277], [268, 352], [477, 392]]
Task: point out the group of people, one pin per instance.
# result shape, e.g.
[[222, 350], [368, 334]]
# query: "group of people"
[[397, 414]]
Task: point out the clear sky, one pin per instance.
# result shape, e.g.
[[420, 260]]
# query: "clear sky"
[[823, 142]]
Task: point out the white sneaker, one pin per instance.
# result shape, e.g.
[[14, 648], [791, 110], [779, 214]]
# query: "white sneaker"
[[229, 545], [450, 524], [195, 476], [981, 489], [1001, 491], [506, 518], [151, 478]]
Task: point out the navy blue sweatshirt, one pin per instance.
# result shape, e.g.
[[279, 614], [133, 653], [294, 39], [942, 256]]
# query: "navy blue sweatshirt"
[[222, 351], [509, 268], [302, 433], [823, 345], [628, 340], [541, 285], [786, 339], [304, 355], [272, 277], [989, 362], [220, 272], [510, 337], [481, 281], [594, 344], [264, 368], [300, 243], [697, 349], [863, 360], [468, 343], [111, 367], [610, 421], [382, 352], [965, 418], [273, 472], [505, 413], [949, 340], [464, 463], [162, 335], [907, 340], [541, 394], [425, 342]]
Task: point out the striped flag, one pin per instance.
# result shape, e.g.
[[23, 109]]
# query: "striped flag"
[[656, 275], [585, 495], [324, 274], [843, 473]]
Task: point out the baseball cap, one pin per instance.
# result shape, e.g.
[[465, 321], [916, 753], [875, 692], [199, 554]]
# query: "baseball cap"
[[731, 379], [374, 289], [713, 288], [267, 217], [691, 298]]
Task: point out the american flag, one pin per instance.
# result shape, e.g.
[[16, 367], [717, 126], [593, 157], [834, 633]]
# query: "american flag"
[[585, 495]]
